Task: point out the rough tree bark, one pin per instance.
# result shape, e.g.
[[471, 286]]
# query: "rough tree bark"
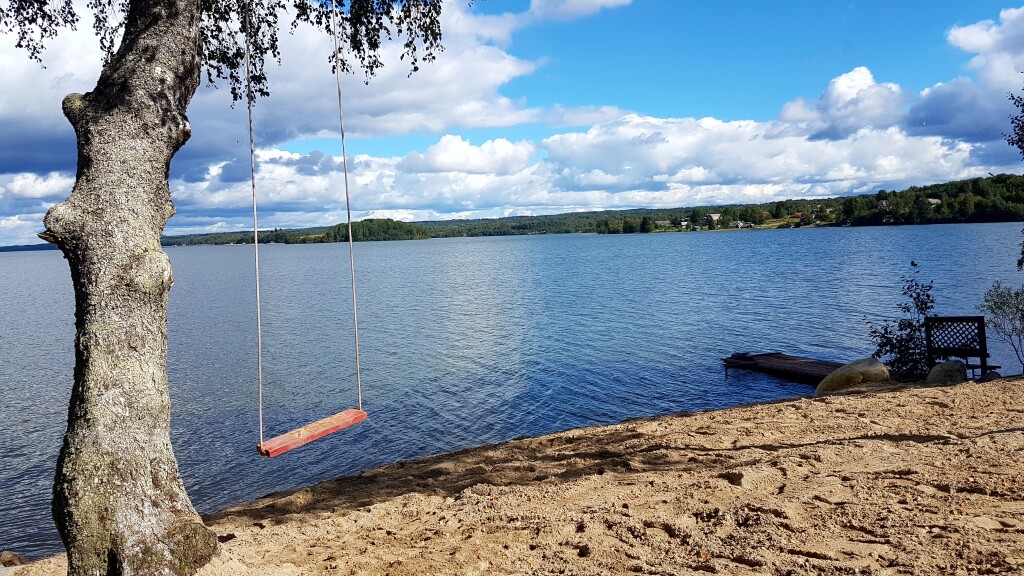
[[119, 502]]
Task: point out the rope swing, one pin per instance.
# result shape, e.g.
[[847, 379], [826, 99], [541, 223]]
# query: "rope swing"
[[295, 438]]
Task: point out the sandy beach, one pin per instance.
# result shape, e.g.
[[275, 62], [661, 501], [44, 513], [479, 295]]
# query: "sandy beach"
[[915, 481]]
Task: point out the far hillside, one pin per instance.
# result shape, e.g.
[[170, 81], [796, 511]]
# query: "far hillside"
[[993, 199]]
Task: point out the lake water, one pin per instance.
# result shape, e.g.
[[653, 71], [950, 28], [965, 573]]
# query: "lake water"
[[466, 341]]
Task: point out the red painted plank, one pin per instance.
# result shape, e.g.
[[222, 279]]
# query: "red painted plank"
[[309, 432]]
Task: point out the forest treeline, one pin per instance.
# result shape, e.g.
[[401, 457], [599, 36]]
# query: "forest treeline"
[[364, 230], [997, 198]]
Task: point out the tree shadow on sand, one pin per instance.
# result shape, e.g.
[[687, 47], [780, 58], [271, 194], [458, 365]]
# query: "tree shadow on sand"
[[665, 443]]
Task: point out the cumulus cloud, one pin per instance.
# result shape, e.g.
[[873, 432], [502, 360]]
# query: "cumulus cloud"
[[858, 135], [36, 136], [666, 155], [24, 199], [453, 154], [975, 108], [851, 102], [458, 91], [496, 28], [461, 90], [34, 186], [992, 42], [959, 109], [627, 162], [20, 229]]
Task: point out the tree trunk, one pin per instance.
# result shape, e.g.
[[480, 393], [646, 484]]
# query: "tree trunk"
[[119, 502]]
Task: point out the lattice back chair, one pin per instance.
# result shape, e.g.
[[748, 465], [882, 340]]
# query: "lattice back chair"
[[960, 337]]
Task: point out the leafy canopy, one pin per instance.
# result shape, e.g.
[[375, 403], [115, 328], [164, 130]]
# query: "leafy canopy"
[[1016, 136], [362, 27]]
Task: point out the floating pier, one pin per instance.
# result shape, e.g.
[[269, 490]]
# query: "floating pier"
[[795, 368]]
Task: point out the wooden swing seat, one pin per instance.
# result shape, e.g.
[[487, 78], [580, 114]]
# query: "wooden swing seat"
[[285, 442], [310, 432]]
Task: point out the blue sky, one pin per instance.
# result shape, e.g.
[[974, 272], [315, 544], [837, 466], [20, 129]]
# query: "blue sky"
[[561, 105], [735, 59]]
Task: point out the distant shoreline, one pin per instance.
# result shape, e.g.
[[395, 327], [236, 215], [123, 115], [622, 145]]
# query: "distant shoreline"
[[170, 241], [29, 247], [994, 199]]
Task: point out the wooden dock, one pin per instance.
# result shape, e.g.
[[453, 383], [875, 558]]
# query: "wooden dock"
[[795, 368]]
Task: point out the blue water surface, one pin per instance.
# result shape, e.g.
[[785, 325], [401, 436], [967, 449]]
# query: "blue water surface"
[[466, 341]]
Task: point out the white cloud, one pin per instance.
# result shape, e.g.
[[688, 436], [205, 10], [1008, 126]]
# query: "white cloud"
[[20, 229], [987, 37], [453, 154], [641, 152], [36, 136], [460, 90], [496, 28], [34, 186], [581, 116], [799, 111], [851, 102], [858, 136], [969, 108], [24, 199], [627, 162], [571, 9], [72, 64]]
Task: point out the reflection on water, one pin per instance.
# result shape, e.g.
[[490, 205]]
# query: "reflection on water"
[[466, 341]]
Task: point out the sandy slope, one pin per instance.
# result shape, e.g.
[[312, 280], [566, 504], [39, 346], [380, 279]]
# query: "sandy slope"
[[923, 481]]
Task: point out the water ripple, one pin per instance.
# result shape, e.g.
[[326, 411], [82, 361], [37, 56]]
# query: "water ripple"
[[466, 342]]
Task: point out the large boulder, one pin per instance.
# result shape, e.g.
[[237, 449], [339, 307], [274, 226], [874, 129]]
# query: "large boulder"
[[853, 374], [947, 373], [990, 376], [11, 559]]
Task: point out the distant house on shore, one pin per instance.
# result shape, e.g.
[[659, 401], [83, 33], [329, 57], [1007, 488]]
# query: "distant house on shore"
[[662, 223], [934, 202], [714, 218]]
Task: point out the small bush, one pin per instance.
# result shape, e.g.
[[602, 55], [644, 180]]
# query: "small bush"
[[900, 343], [1004, 311]]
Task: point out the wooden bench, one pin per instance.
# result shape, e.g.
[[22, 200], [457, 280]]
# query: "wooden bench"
[[960, 337]]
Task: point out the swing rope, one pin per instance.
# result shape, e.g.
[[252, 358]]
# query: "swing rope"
[[255, 218], [348, 202], [346, 418]]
